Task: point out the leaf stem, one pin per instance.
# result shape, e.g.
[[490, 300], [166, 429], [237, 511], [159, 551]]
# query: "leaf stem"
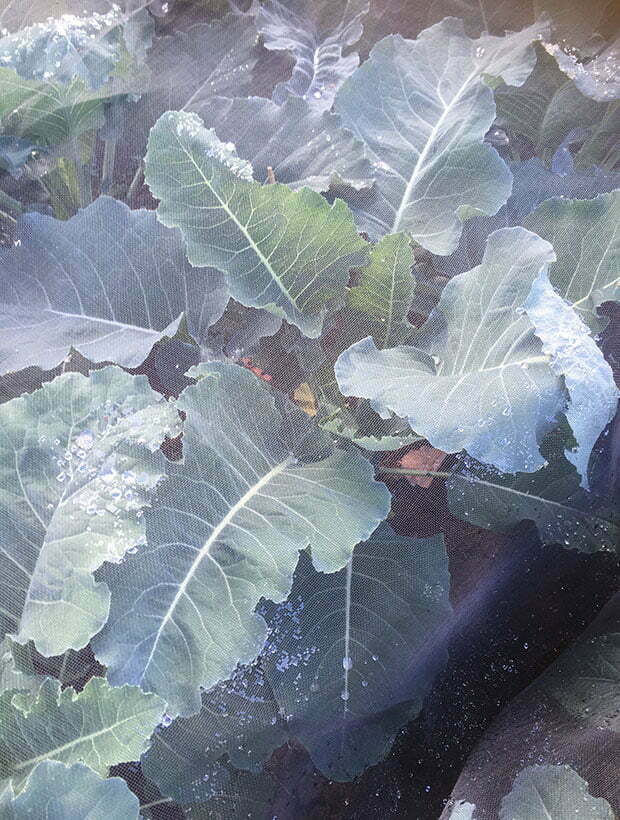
[[136, 184], [405, 471], [12, 205], [156, 803], [109, 159]]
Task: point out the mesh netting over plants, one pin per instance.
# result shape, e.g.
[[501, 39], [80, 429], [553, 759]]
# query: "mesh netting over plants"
[[309, 446]]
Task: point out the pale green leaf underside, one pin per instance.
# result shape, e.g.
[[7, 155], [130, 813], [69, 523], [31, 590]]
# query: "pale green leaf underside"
[[589, 379], [70, 793], [78, 460], [552, 793], [487, 387], [422, 109], [255, 487], [100, 726], [287, 251]]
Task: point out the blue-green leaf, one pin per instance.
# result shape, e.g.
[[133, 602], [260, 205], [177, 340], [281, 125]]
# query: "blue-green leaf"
[[239, 717], [585, 234], [477, 377], [70, 793], [78, 461], [345, 653], [317, 32], [100, 726], [552, 793], [589, 379], [256, 485], [303, 145], [422, 108], [287, 251], [109, 282]]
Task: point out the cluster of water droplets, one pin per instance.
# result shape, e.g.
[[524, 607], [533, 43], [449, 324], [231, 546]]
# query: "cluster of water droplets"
[[65, 47], [598, 78], [190, 126]]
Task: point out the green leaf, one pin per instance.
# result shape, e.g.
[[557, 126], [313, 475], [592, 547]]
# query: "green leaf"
[[303, 145], [345, 653], [422, 108], [589, 379], [316, 32], [189, 68], [65, 48], [385, 291], [289, 252], [226, 793], [552, 793], [256, 485], [70, 793], [586, 240], [547, 108], [100, 726], [11, 677], [597, 78], [487, 387], [585, 680], [78, 460], [551, 497], [239, 718], [45, 112], [109, 282]]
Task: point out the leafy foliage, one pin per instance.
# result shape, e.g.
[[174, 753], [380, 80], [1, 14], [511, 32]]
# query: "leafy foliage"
[[317, 34], [272, 273], [424, 131], [79, 458], [551, 791], [100, 726], [70, 793], [109, 282], [287, 251], [488, 350], [225, 530], [337, 648]]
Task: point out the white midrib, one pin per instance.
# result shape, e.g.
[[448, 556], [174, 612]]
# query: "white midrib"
[[215, 534], [264, 260], [111, 322], [347, 633], [53, 753], [419, 166], [530, 496]]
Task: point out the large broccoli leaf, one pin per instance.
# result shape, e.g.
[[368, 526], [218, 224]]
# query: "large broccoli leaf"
[[78, 460], [302, 145], [477, 378], [422, 108], [70, 793], [287, 251], [346, 653], [256, 485], [109, 282], [317, 32], [552, 793], [100, 726]]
